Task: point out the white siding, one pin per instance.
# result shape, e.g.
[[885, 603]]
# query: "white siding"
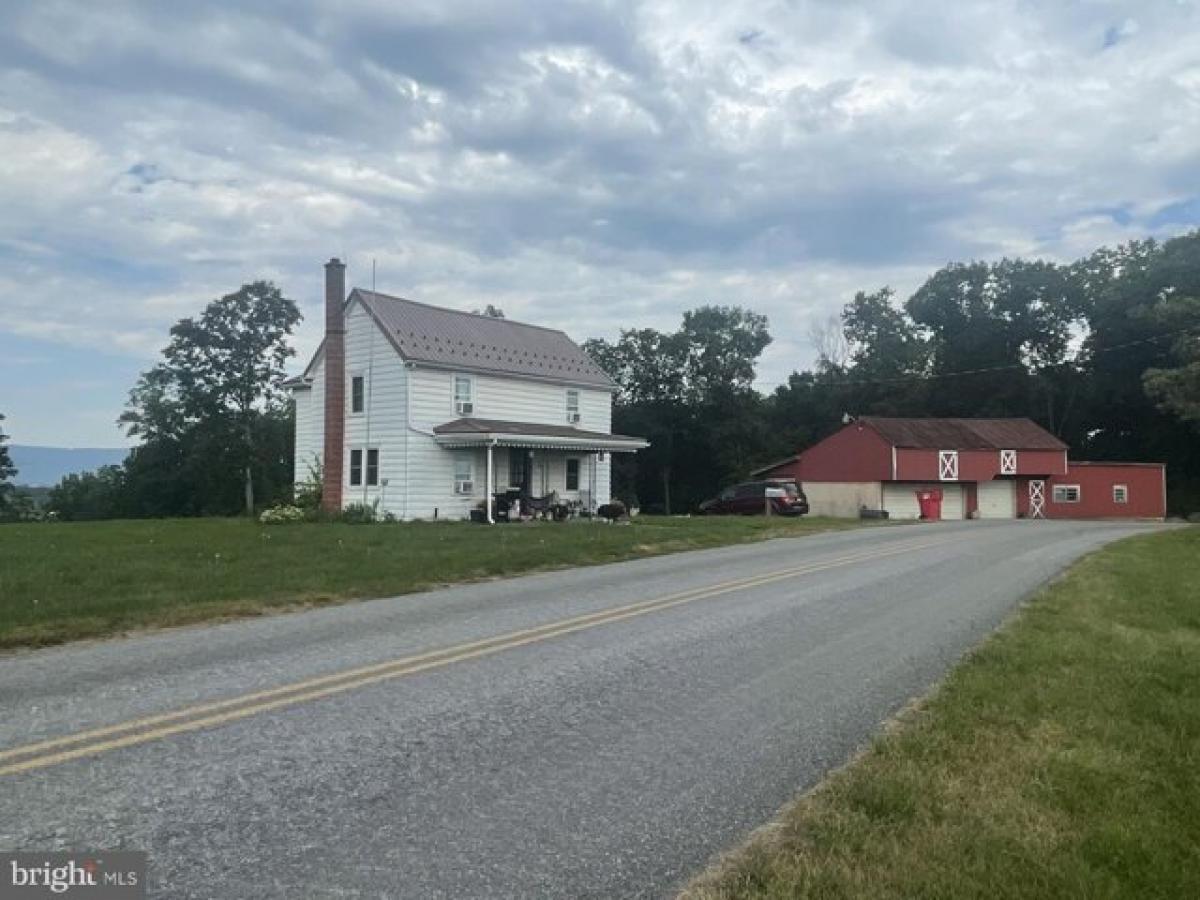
[[310, 424], [381, 424], [420, 472], [513, 400], [510, 399]]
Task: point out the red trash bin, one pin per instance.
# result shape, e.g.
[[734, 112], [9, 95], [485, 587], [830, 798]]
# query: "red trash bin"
[[930, 503]]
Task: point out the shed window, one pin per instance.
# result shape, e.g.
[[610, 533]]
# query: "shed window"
[[358, 394], [572, 474], [1008, 462], [1066, 493], [464, 395], [1120, 493]]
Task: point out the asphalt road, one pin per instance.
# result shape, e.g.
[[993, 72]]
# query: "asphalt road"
[[601, 732]]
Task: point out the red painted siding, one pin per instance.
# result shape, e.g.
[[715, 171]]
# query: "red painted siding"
[[856, 453], [1041, 462], [1022, 498], [977, 465], [1145, 484], [916, 465]]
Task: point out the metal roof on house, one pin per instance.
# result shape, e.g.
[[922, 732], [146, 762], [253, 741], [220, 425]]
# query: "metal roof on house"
[[456, 339], [964, 434]]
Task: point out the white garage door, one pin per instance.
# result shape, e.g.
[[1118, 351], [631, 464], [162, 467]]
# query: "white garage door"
[[997, 500], [900, 499]]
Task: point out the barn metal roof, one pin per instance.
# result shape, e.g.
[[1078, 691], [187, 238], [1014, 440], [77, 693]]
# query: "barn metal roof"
[[456, 339], [964, 434]]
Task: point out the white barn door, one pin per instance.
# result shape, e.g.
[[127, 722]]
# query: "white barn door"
[[997, 500], [1037, 499], [900, 499]]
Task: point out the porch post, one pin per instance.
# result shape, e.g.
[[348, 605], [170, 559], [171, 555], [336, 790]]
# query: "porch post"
[[488, 483], [593, 481]]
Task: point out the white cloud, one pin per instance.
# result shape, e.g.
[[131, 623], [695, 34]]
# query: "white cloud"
[[585, 165]]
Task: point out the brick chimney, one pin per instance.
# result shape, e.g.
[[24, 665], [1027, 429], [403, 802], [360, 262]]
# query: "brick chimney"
[[335, 385]]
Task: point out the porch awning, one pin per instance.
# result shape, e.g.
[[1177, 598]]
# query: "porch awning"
[[481, 432]]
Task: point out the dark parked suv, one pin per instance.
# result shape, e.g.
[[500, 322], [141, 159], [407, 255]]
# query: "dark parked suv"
[[750, 499]]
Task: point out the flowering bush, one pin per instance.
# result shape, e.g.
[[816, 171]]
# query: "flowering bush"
[[281, 515]]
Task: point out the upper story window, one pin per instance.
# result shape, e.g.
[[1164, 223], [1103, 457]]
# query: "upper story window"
[[358, 393], [573, 407], [464, 395]]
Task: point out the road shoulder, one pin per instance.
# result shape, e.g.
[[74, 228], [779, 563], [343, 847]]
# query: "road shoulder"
[[1057, 760]]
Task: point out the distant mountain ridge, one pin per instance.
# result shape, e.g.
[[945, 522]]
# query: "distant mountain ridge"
[[46, 466]]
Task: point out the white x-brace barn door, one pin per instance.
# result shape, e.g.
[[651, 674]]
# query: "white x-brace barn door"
[[1037, 499], [948, 465]]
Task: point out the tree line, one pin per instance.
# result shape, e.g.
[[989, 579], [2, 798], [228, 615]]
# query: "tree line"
[[1103, 352]]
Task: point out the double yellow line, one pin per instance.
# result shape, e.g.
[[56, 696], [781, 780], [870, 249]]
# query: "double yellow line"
[[208, 715]]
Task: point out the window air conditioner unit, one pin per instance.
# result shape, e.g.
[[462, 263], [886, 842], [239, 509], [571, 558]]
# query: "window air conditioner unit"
[[464, 487], [573, 418], [465, 407]]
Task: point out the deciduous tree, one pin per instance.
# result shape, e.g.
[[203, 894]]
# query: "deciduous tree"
[[217, 389], [7, 472]]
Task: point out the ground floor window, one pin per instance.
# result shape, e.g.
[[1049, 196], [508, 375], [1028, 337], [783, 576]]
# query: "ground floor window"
[[1120, 493], [356, 466], [373, 466], [464, 481], [1066, 493], [573, 474]]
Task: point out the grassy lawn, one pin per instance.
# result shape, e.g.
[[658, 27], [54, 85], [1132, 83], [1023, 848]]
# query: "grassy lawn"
[[72, 580], [1062, 759]]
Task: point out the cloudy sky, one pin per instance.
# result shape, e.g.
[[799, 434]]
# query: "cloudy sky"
[[585, 165]]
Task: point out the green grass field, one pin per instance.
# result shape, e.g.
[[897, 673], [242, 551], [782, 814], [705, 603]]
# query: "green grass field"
[[73, 580], [1062, 759]]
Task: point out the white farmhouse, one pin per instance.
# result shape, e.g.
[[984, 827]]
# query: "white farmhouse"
[[433, 412]]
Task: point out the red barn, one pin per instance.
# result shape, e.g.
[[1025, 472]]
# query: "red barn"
[[984, 468]]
